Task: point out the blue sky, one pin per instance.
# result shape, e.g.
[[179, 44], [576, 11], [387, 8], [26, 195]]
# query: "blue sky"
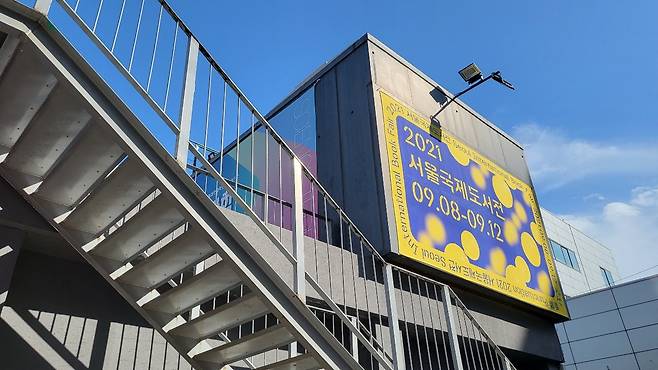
[[586, 105]]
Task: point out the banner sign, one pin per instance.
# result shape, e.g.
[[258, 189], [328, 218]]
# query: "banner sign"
[[460, 213]]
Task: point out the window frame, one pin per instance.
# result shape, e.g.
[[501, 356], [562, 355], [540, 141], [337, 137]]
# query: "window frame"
[[607, 276], [564, 255]]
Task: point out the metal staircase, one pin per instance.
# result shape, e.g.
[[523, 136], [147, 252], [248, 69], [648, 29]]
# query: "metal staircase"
[[243, 286], [100, 195]]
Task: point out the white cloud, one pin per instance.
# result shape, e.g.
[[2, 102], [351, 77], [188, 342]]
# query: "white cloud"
[[594, 196], [629, 228], [556, 160]]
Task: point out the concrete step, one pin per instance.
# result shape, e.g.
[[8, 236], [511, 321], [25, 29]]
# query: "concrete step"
[[24, 87], [118, 193], [239, 311], [47, 137], [303, 362], [198, 289], [89, 160], [156, 220], [181, 254], [247, 346]]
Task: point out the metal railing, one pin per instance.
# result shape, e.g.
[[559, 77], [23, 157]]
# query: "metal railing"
[[392, 317]]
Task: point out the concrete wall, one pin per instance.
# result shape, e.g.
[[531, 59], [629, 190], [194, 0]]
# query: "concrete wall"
[[591, 255], [57, 311], [346, 142], [614, 328], [61, 314]]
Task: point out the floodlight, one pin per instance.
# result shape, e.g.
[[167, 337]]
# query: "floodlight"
[[473, 76], [471, 73]]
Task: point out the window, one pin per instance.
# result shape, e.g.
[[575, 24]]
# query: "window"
[[574, 260], [607, 277], [564, 255], [557, 251], [297, 125]]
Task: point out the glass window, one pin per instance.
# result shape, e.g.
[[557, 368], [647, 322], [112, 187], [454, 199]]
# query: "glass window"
[[607, 277], [564, 255], [567, 256], [574, 260], [253, 162], [557, 251], [296, 123]]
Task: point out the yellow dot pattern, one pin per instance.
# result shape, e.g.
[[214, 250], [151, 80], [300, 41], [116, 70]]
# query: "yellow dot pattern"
[[425, 240], [522, 269], [470, 245], [534, 229], [544, 282], [519, 272], [519, 211], [526, 197], [516, 221], [530, 249], [502, 191], [478, 177], [510, 233], [435, 229], [498, 261], [455, 252], [461, 157]]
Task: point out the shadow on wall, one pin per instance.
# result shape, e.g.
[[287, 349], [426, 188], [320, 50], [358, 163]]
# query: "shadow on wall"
[[63, 315]]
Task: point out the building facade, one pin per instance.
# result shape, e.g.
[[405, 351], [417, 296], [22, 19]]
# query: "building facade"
[[614, 328], [335, 121], [583, 263]]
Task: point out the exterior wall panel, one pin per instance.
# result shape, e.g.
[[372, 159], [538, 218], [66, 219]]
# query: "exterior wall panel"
[[591, 256], [61, 314], [614, 328]]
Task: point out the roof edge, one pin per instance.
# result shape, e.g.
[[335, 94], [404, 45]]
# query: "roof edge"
[[367, 37]]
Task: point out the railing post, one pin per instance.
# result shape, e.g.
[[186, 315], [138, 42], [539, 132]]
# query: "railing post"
[[393, 319], [43, 6], [299, 277], [355, 339], [452, 333], [183, 139], [298, 230], [508, 364]]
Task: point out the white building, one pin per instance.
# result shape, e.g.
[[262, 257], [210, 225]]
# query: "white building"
[[584, 264]]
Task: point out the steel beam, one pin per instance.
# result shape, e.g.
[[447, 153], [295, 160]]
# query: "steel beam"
[[43, 6], [452, 333], [393, 318], [183, 138]]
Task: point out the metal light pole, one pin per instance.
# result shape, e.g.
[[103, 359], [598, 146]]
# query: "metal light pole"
[[473, 76]]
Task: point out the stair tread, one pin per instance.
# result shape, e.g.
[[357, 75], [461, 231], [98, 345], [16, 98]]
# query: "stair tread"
[[87, 161], [181, 253], [7, 51], [208, 284], [302, 362], [52, 130], [149, 225], [24, 87], [224, 317], [247, 346], [121, 190]]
